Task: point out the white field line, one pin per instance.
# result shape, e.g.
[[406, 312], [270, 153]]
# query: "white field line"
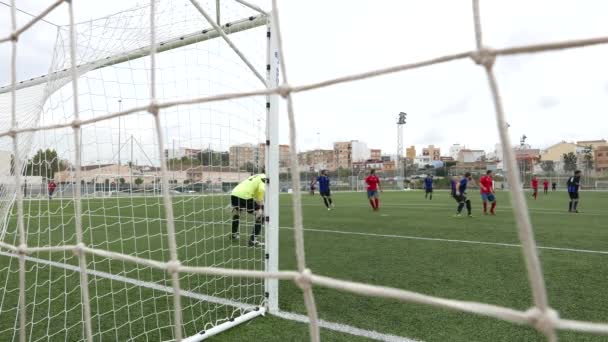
[[189, 294], [449, 240], [131, 220], [446, 205], [427, 205], [344, 328]]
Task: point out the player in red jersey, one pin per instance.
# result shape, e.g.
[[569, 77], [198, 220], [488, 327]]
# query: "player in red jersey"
[[486, 187], [51, 186], [534, 187], [546, 186], [373, 185]]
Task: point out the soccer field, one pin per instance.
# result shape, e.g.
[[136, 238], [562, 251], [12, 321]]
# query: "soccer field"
[[409, 244]]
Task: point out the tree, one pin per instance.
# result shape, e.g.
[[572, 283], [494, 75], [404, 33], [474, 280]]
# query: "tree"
[[588, 158], [441, 172], [121, 180], [139, 181], [547, 165], [44, 163], [343, 173], [210, 157], [249, 167], [569, 161]]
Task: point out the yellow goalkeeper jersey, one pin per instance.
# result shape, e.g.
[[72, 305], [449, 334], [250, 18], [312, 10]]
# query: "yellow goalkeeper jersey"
[[252, 187]]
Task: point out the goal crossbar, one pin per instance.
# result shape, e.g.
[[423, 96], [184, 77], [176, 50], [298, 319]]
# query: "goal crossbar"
[[184, 40]]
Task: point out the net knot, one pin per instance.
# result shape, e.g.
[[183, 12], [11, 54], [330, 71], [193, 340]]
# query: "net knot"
[[14, 37], [76, 123], [79, 249], [484, 56], [11, 133], [304, 279], [153, 108], [22, 249], [173, 266], [543, 321], [284, 90]]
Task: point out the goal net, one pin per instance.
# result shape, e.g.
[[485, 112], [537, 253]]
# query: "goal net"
[[601, 185], [120, 184], [160, 91]]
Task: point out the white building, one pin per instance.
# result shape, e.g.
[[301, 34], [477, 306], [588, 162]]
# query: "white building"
[[422, 160], [455, 149], [499, 156], [470, 156], [360, 151], [180, 152]]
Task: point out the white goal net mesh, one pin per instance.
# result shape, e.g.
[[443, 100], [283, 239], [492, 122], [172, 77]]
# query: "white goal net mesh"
[[172, 251], [120, 186], [601, 185]]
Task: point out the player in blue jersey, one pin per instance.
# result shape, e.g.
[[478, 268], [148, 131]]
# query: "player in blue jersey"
[[453, 186], [324, 190], [428, 187], [459, 189], [574, 183]]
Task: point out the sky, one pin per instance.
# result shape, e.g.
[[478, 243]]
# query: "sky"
[[549, 97]]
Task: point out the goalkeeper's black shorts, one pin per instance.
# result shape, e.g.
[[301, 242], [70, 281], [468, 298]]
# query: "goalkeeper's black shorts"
[[250, 205]]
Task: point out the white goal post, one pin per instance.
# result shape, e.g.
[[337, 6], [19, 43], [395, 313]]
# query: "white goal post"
[[97, 191]]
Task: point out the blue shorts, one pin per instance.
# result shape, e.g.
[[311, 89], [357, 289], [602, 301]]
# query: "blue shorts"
[[372, 193], [488, 197]]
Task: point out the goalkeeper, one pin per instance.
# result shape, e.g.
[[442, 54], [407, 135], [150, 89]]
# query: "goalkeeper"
[[248, 195]]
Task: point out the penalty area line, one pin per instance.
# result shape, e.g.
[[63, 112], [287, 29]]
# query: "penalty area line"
[[501, 244]]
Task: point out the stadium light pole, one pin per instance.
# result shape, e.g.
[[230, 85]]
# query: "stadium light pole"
[[400, 166], [119, 147], [319, 140], [523, 166]]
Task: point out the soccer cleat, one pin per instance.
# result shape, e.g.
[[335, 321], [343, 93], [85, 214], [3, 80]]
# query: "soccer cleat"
[[234, 236], [458, 215], [255, 243], [470, 215], [328, 209], [492, 213]]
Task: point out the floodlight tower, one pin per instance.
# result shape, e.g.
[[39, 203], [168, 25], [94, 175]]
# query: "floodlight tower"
[[400, 166]]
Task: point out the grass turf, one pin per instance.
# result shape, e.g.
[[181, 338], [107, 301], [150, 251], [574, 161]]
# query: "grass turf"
[[350, 242]]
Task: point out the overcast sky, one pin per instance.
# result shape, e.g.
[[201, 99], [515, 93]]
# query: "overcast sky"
[[548, 97]]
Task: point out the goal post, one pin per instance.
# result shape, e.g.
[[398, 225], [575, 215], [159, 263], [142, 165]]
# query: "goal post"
[[272, 168], [209, 148]]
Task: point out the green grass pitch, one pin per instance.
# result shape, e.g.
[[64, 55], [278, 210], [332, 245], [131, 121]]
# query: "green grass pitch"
[[411, 243]]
